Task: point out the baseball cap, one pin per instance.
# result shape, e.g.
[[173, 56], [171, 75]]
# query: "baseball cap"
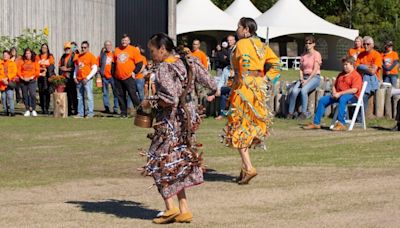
[[67, 45], [224, 44]]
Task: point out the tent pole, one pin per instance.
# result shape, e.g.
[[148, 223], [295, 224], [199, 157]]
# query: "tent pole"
[[267, 38]]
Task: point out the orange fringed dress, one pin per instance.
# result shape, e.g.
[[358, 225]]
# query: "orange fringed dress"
[[249, 118]]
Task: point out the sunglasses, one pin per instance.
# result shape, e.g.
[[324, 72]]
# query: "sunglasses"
[[83, 47], [367, 44]]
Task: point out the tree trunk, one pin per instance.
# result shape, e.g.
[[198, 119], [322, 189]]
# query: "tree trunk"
[[371, 105], [379, 102], [60, 104], [388, 103]]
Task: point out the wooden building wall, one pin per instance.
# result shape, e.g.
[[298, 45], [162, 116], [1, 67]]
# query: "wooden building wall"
[[67, 20]]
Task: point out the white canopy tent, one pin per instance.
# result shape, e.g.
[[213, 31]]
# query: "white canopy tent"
[[291, 17], [242, 8], [202, 15]]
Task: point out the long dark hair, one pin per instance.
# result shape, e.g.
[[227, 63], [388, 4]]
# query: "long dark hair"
[[249, 23], [48, 50], [16, 52], [32, 54], [162, 39]]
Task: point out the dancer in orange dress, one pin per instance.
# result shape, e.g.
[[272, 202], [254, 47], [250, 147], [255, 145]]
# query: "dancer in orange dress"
[[249, 118]]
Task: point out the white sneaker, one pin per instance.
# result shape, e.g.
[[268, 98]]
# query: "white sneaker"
[[27, 113], [34, 113]]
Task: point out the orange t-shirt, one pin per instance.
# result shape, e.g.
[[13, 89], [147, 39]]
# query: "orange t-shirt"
[[8, 70], [354, 52], [84, 62], [388, 59], [27, 69], [141, 75], [108, 66], [44, 61], [201, 56], [370, 58], [125, 61], [351, 81]]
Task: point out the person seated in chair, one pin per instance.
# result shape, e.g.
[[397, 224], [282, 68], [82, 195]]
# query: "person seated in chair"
[[347, 89], [310, 64]]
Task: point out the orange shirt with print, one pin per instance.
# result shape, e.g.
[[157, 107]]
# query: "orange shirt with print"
[[370, 58], [125, 61], [354, 52], [84, 62], [108, 66], [352, 80], [388, 59], [9, 72], [201, 56], [141, 75], [44, 61], [28, 69]]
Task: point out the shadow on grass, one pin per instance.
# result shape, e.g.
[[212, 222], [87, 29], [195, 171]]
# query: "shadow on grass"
[[213, 175], [119, 208], [379, 128]]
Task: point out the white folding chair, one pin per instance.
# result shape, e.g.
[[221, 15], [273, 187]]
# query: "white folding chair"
[[296, 63], [284, 63], [359, 107]]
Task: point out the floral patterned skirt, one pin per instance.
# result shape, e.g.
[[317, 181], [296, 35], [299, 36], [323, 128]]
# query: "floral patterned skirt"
[[173, 158]]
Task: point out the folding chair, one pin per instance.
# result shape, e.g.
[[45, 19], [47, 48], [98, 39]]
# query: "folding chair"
[[284, 63], [296, 63], [359, 107]]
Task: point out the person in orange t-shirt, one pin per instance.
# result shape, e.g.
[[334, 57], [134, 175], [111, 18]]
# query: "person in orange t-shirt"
[[390, 64], [128, 63], [28, 71], [346, 90], [8, 75], [139, 78], [357, 49], [369, 64], [196, 52], [15, 58], [46, 62], [106, 70], [85, 70]]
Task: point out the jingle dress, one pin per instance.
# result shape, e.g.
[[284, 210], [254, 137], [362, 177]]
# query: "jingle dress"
[[249, 118], [173, 157]]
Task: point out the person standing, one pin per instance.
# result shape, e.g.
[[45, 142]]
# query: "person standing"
[[173, 157], [357, 49], [196, 52], [28, 72], [139, 77], [310, 64], [249, 119], [107, 68], [390, 64], [8, 77], [46, 62], [85, 69], [66, 68], [128, 63], [16, 59], [369, 64]]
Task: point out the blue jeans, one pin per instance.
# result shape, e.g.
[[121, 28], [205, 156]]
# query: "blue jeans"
[[391, 78], [225, 91], [329, 100], [304, 90], [81, 89], [140, 88], [106, 93], [7, 98]]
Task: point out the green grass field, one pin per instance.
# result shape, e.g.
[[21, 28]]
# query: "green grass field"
[[82, 172]]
